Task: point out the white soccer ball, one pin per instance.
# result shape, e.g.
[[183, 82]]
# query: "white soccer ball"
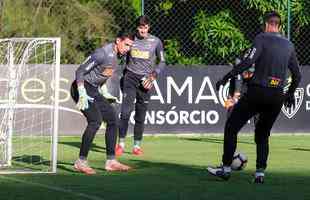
[[239, 161]]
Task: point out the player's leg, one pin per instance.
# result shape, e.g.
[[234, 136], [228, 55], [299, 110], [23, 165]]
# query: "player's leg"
[[241, 113], [129, 95], [94, 119], [143, 97], [110, 117], [263, 126]]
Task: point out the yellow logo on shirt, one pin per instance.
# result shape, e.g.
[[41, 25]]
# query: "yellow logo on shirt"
[[274, 82], [136, 53]]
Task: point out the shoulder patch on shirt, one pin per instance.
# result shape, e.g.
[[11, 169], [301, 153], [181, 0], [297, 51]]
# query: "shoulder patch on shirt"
[[162, 57], [87, 59], [90, 65], [252, 53]]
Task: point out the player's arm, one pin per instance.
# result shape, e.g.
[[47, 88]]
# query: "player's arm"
[[248, 61], [147, 81], [85, 68], [296, 77], [295, 72], [161, 58]]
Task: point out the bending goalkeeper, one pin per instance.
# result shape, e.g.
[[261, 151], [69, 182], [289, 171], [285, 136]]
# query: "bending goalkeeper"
[[86, 92]]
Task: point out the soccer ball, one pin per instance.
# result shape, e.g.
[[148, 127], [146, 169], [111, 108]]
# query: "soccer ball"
[[239, 161]]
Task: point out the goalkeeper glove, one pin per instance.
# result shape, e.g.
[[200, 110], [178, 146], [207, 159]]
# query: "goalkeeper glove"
[[289, 100], [229, 103], [103, 90], [82, 103], [147, 81]]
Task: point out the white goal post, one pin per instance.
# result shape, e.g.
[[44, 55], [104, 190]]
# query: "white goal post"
[[29, 102]]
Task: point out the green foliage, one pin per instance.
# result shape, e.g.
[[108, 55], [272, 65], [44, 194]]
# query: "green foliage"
[[219, 35], [123, 12], [165, 6], [136, 4], [267, 5], [300, 9], [173, 54], [81, 28], [301, 12]]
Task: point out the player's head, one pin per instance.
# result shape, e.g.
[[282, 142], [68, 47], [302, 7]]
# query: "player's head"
[[143, 26], [123, 42], [272, 21]]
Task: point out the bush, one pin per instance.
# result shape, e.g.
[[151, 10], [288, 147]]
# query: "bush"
[[219, 35], [173, 54]]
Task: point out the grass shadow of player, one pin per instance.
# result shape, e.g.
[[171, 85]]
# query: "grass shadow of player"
[[30, 162], [31, 159], [180, 173], [215, 140]]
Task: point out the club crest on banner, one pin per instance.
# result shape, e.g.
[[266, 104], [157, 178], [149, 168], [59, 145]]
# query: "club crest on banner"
[[224, 93], [290, 112]]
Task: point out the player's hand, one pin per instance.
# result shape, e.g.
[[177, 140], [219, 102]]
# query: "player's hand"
[[229, 103], [220, 83], [289, 100], [147, 81], [108, 72], [103, 90], [82, 103]]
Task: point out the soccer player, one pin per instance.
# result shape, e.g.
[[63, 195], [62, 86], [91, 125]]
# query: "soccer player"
[[86, 92], [144, 62], [272, 55]]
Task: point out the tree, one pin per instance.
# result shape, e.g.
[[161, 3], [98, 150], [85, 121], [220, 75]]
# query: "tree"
[[81, 28]]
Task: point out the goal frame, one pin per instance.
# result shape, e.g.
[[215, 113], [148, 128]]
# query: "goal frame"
[[54, 136]]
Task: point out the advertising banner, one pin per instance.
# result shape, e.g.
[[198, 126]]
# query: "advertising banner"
[[184, 100]]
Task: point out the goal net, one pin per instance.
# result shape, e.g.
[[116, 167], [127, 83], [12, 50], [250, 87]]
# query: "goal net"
[[29, 86]]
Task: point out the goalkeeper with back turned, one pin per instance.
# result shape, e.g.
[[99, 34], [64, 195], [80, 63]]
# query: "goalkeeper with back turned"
[[273, 55]]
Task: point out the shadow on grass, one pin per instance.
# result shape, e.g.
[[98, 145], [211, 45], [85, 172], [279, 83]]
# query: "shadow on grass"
[[215, 140], [166, 181], [299, 149], [94, 146]]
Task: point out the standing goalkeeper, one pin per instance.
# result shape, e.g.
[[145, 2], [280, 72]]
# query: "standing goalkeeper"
[[86, 92], [144, 62], [273, 55]]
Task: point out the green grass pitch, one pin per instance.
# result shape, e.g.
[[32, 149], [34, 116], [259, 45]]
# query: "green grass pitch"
[[171, 168]]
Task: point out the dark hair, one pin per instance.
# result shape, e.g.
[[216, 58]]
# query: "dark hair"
[[122, 34], [272, 15], [143, 20]]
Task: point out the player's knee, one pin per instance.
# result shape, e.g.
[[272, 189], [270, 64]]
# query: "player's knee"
[[139, 118], [261, 138], [112, 121], [125, 115], [230, 128], [139, 121], [94, 125]]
